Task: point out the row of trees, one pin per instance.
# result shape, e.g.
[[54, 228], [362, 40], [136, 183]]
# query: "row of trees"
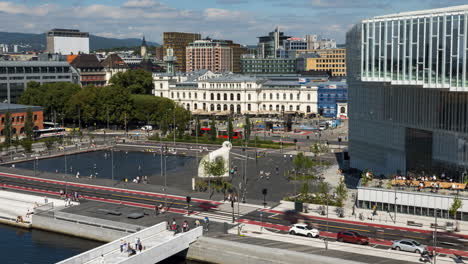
[[125, 99]]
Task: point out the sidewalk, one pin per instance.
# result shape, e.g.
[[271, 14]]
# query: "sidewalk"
[[381, 220]]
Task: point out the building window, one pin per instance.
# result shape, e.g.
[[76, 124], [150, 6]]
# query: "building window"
[[232, 97], [212, 97], [161, 85], [308, 97], [218, 97], [277, 96], [291, 97], [308, 109], [225, 97], [238, 97], [35, 117], [249, 97], [248, 107]]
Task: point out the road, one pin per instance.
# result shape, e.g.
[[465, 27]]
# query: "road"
[[177, 204]]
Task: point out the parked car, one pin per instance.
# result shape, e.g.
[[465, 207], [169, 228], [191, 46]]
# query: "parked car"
[[147, 128], [352, 237], [304, 229], [409, 245]]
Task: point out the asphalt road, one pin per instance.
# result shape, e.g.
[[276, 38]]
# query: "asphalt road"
[[178, 205]]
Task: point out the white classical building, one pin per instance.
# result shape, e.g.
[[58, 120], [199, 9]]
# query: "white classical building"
[[210, 93]]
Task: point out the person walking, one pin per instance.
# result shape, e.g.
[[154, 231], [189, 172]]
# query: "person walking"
[[207, 223], [197, 223], [121, 245], [156, 210], [137, 243], [185, 226], [174, 224]]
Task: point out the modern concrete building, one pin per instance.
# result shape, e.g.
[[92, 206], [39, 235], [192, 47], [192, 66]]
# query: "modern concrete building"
[[67, 41], [332, 60], [178, 42], [207, 54], [408, 92], [15, 75], [250, 64], [269, 45]]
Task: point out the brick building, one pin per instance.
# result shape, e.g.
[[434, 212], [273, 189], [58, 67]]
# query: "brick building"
[[18, 117]]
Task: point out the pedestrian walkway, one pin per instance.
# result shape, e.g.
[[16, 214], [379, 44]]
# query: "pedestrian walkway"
[[157, 243]]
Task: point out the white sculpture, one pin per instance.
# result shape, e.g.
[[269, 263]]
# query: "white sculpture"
[[222, 153]]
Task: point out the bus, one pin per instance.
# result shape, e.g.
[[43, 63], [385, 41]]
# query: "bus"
[[49, 132], [237, 134]]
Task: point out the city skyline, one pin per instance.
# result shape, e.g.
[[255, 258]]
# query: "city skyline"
[[240, 20]]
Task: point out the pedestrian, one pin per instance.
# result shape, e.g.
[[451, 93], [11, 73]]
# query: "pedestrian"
[[46, 200], [197, 223], [77, 174], [137, 243], [174, 224], [185, 226], [102, 261], [121, 245], [156, 210], [76, 196], [207, 223]]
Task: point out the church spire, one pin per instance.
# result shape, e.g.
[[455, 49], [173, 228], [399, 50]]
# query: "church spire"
[[143, 43], [143, 49]]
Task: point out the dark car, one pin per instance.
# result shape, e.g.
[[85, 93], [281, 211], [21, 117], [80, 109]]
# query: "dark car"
[[207, 206], [352, 237]]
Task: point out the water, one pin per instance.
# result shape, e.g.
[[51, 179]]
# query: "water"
[[126, 164], [38, 247]]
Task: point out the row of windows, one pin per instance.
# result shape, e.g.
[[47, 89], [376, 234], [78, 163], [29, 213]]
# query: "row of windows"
[[231, 96], [323, 60], [232, 108], [17, 119], [15, 70], [330, 65]]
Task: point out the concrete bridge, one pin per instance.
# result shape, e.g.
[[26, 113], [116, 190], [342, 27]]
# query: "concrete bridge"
[[158, 243]]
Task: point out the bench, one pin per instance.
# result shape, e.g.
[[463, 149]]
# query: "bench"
[[412, 223], [437, 226], [111, 212]]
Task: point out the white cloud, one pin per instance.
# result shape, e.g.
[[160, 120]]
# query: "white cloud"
[[221, 14], [11, 8], [141, 3]]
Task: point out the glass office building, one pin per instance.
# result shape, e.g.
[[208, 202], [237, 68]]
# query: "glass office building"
[[408, 92]]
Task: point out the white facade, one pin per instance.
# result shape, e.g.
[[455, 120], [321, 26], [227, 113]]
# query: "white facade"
[[71, 45], [238, 94]]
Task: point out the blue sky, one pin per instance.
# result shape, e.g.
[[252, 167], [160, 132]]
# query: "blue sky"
[[239, 20]]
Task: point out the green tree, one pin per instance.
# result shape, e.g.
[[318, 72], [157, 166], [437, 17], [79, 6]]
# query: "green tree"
[[117, 103], [82, 106], [247, 129], [305, 189], [7, 129], [456, 205], [182, 119], [323, 190], [216, 168], [29, 125], [135, 81], [230, 129], [213, 129], [302, 163], [147, 107], [341, 192], [27, 145]]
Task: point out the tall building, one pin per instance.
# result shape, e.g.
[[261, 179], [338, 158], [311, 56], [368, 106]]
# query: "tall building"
[[178, 42], [408, 92], [314, 42], [15, 75], [159, 53], [67, 41], [213, 55], [145, 63], [332, 60], [250, 64], [237, 51], [268, 46]]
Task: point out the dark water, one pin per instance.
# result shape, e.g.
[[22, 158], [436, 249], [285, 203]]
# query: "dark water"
[[37, 247], [33, 246], [126, 164]]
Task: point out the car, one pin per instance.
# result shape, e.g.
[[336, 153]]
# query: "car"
[[409, 245], [352, 237], [147, 128], [322, 127], [304, 230]]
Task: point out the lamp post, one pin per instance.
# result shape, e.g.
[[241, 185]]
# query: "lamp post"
[[436, 210], [395, 206], [112, 164], [35, 164]]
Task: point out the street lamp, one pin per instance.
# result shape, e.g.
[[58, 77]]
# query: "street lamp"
[[35, 164], [436, 210], [264, 192]]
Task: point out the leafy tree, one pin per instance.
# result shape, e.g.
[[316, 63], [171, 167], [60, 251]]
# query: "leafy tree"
[[117, 103], [305, 189], [230, 129], [341, 192], [182, 119], [29, 125], [7, 129], [135, 81], [214, 168], [456, 204], [147, 107], [82, 106], [323, 190], [27, 145], [302, 163], [247, 128], [213, 129]]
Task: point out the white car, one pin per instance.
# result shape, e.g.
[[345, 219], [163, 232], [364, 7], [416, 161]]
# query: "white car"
[[303, 229], [147, 128]]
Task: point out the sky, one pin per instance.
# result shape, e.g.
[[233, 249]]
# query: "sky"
[[238, 20]]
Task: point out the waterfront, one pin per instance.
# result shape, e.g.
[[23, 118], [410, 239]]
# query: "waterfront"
[[127, 164], [39, 247]]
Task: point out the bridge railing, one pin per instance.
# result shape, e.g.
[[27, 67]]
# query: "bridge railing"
[[114, 245]]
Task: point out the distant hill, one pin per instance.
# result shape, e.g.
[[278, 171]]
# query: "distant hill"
[[38, 41]]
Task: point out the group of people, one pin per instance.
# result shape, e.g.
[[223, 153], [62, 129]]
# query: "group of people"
[[434, 181], [126, 247], [159, 209], [185, 225]]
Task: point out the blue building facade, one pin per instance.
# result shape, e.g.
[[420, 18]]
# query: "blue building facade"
[[329, 94]]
